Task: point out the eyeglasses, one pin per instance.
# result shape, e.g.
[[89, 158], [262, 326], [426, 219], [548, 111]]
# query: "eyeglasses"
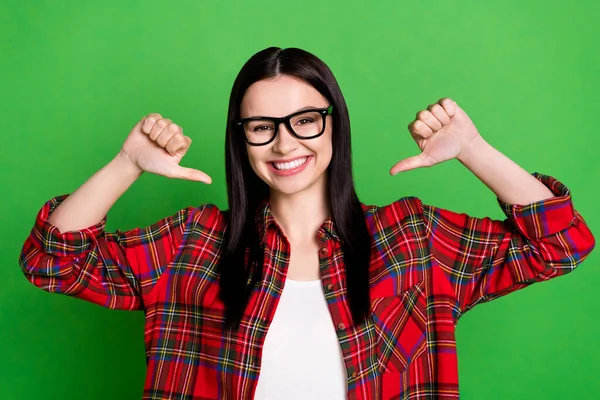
[[305, 124]]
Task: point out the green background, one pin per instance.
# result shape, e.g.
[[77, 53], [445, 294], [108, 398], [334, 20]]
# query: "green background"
[[77, 76]]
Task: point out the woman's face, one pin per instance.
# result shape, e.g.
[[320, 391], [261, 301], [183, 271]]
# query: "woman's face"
[[288, 165]]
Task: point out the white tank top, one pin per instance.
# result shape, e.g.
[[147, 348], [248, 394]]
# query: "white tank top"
[[301, 357]]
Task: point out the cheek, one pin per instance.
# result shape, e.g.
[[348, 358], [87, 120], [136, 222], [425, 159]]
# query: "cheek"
[[254, 157], [326, 155], [326, 150]]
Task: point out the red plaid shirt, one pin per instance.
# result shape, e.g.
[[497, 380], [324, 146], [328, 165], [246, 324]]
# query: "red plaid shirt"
[[428, 267]]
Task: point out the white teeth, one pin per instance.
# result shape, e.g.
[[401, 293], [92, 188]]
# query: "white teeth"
[[290, 165]]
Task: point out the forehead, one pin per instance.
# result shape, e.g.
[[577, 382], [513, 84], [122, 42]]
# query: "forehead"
[[279, 96]]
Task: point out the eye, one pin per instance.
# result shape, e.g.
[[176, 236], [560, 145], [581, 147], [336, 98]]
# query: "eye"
[[262, 128], [304, 121]]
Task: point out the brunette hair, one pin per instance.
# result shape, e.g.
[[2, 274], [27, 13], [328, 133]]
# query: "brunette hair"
[[240, 266]]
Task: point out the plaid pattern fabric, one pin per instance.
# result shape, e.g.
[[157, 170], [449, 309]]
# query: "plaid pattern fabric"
[[428, 267]]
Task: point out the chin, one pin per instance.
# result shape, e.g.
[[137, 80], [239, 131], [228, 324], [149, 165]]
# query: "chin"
[[291, 188]]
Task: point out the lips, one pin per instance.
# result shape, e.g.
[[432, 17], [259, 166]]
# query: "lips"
[[289, 167], [283, 166]]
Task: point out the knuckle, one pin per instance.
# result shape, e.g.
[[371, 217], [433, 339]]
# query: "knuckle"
[[169, 146], [162, 140], [422, 114], [177, 140], [174, 128], [163, 122], [175, 143], [436, 107]]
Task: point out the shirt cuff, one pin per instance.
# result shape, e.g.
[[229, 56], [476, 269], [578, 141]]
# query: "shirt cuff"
[[545, 217], [49, 239]]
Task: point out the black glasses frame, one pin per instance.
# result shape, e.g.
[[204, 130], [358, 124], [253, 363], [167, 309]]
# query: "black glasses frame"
[[286, 120]]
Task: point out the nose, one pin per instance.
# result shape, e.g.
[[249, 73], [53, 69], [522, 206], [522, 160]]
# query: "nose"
[[285, 142]]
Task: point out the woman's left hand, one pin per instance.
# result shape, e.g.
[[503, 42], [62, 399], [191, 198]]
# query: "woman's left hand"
[[442, 132]]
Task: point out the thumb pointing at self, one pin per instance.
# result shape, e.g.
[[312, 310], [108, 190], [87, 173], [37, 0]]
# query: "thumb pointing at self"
[[191, 174]]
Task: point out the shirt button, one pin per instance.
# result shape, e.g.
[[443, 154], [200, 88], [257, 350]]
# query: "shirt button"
[[353, 375], [341, 327], [324, 251], [330, 287]]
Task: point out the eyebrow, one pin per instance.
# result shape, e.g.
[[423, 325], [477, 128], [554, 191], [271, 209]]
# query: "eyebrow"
[[298, 110]]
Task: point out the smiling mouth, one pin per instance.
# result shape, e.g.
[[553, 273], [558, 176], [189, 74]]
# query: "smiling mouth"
[[289, 165]]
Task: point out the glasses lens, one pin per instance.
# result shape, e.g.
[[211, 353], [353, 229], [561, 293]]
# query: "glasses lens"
[[307, 124], [259, 131]]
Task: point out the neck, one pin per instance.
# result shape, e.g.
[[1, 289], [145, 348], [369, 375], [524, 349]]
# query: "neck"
[[300, 215]]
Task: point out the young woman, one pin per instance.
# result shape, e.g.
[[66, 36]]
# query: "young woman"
[[299, 291]]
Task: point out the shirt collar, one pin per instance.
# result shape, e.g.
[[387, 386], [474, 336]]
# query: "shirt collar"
[[264, 220]]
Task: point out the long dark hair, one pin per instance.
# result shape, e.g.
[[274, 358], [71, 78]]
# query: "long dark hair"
[[241, 263]]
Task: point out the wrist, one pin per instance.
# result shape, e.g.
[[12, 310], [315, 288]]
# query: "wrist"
[[475, 150], [126, 166]]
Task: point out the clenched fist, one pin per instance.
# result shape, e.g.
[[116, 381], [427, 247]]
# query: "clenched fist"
[[442, 132], [157, 145]]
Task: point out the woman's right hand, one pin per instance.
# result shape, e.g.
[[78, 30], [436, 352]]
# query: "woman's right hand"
[[157, 145]]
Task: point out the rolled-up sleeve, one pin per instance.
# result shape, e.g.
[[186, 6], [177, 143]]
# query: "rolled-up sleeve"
[[113, 269], [484, 259]]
